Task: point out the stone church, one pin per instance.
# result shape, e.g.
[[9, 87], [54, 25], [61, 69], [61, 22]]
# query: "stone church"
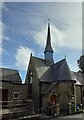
[[52, 83]]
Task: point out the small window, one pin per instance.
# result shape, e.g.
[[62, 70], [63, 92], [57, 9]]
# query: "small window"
[[16, 95], [30, 76]]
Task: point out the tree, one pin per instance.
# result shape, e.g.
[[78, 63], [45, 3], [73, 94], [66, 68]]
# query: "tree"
[[80, 63]]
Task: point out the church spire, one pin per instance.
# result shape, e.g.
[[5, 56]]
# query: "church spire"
[[48, 52], [48, 43]]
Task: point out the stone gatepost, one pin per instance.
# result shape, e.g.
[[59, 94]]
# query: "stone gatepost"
[[57, 109], [69, 108], [53, 110]]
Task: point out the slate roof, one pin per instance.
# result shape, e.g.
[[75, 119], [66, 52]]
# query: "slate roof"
[[10, 75], [49, 88], [55, 73], [79, 77], [40, 67], [38, 62], [61, 71]]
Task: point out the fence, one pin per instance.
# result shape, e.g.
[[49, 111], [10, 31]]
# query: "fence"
[[12, 109]]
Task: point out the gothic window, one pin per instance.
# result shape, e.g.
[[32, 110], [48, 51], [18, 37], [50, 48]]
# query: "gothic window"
[[30, 76]]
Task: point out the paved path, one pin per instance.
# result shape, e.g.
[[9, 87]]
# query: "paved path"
[[81, 115]]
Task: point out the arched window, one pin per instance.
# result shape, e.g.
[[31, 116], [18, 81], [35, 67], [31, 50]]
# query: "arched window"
[[30, 76]]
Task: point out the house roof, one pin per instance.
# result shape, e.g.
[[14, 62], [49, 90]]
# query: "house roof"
[[55, 73], [40, 67], [79, 77], [38, 62], [61, 71], [10, 75], [49, 88]]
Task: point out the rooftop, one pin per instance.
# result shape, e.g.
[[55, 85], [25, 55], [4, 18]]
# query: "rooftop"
[[10, 75]]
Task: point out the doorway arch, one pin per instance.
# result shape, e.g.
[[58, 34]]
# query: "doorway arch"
[[53, 99]]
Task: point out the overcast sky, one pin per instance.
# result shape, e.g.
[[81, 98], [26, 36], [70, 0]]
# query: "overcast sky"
[[24, 30]]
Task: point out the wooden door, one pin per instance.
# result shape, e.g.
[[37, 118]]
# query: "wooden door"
[[53, 99], [4, 95]]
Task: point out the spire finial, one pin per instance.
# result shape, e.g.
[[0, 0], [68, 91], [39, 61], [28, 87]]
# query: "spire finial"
[[48, 21], [48, 43], [31, 54], [48, 49]]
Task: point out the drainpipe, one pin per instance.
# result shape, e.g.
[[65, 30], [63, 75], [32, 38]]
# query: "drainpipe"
[[74, 97], [81, 95]]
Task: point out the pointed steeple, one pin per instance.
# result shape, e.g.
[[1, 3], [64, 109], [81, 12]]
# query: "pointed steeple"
[[48, 52], [48, 43]]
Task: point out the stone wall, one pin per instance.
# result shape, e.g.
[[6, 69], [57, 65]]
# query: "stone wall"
[[18, 109], [82, 95], [35, 91], [11, 87], [63, 92], [79, 94]]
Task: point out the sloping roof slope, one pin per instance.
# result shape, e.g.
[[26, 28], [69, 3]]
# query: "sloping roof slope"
[[10, 75], [61, 71], [52, 85], [40, 67], [57, 72], [38, 62], [79, 77]]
